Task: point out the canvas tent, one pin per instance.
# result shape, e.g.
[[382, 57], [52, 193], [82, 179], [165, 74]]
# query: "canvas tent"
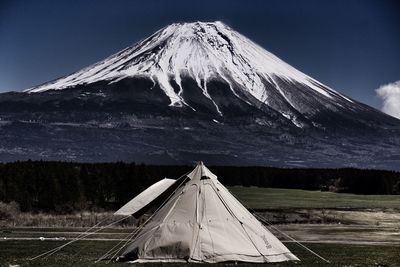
[[199, 220]]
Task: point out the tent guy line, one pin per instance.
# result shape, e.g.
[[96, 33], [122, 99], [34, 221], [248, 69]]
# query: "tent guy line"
[[202, 223], [80, 237], [198, 220], [264, 220], [136, 231], [291, 238]]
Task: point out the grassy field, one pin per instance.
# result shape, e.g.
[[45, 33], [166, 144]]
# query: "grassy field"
[[253, 197], [379, 215], [85, 253], [274, 198]]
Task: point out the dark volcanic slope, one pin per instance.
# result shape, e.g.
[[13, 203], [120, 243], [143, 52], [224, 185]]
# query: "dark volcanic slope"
[[195, 91]]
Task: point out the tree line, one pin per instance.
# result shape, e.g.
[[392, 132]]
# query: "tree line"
[[64, 187]]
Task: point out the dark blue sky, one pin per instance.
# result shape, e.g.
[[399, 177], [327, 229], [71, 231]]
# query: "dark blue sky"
[[352, 46]]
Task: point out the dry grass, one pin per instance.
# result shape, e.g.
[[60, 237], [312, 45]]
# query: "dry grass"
[[78, 219], [283, 205]]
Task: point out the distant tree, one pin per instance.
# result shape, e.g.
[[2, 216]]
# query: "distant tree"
[[67, 186]]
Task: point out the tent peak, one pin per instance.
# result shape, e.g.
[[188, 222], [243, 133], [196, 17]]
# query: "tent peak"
[[201, 172], [201, 221]]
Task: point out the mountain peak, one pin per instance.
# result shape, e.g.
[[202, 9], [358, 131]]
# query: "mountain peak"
[[195, 24], [191, 90], [202, 51]]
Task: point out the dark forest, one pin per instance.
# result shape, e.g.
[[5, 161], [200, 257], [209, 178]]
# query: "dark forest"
[[64, 187]]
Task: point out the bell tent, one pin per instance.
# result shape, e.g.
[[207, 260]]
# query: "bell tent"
[[198, 220]]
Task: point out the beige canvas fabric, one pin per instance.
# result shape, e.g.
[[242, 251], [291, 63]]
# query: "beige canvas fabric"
[[203, 222], [148, 195]]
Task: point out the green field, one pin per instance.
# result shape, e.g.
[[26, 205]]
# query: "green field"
[[370, 222], [274, 198], [84, 253]]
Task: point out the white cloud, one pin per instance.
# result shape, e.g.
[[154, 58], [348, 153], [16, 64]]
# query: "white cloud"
[[390, 95]]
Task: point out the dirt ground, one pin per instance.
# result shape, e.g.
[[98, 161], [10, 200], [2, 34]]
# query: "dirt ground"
[[315, 225], [376, 217]]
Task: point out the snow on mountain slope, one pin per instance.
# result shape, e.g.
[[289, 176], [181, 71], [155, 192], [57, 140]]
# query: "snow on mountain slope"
[[202, 51], [236, 103]]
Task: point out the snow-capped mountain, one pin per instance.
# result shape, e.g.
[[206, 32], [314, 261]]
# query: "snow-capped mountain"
[[206, 90], [203, 52]]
